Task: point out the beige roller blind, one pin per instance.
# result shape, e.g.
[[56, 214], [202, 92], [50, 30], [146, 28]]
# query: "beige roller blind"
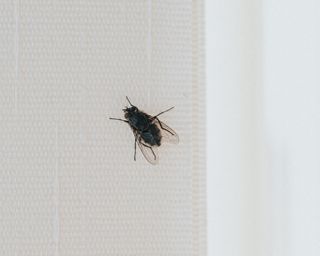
[[68, 182]]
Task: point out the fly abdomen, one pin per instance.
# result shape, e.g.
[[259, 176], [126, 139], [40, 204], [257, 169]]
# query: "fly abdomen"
[[152, 136]]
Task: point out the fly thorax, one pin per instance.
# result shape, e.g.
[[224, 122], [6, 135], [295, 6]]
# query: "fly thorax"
[[139, 122]]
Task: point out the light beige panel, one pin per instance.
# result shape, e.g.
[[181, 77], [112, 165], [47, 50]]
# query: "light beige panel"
[[67, 172]]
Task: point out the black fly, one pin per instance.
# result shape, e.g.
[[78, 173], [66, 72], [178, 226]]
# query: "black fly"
[[149, 131]]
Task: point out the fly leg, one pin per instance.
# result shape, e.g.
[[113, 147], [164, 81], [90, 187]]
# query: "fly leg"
[[111, 118], [154, 155], [129, 101], [135, 148], [162, 126], [163, 112]]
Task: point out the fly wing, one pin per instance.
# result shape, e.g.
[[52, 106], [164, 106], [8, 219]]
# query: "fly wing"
[[150, 153], [167, 133]]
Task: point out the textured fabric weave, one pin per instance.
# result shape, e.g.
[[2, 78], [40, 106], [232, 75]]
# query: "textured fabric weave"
[[68, 182]]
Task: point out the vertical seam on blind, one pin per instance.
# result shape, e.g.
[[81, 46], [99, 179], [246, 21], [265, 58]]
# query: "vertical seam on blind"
[[198, 143]]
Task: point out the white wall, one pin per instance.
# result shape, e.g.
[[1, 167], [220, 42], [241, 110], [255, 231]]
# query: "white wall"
[[263, 98]]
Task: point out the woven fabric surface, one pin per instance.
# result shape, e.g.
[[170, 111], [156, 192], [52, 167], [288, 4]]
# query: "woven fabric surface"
[[68, 182]]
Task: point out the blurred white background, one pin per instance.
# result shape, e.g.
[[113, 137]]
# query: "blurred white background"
[[263, 101]]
